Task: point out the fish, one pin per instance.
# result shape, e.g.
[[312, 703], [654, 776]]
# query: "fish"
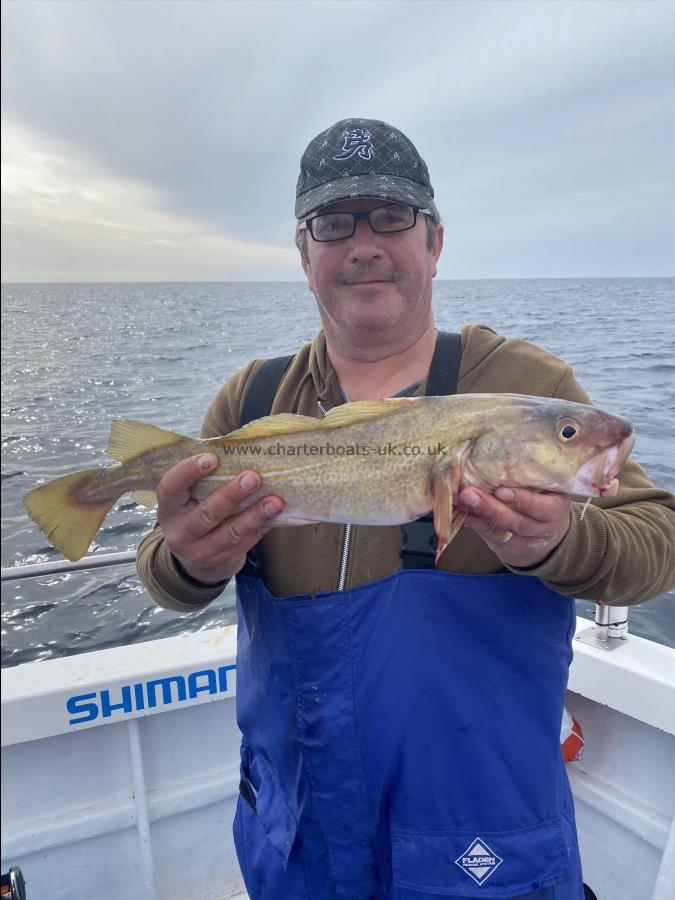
[[371, 462]]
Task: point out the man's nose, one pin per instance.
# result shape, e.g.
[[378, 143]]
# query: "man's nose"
[[364, 243]]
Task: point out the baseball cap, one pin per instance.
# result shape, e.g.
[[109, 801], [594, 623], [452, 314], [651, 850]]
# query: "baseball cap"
[[361, 158]]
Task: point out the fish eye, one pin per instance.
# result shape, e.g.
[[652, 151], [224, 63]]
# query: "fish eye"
[[568, 431]]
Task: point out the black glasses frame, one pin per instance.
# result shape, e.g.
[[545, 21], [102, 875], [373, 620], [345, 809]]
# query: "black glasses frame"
[[357, 217]]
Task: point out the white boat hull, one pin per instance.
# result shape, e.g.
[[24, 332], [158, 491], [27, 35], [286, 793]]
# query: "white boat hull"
[[120, 771]]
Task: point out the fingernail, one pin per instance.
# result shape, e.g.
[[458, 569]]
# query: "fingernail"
[[248, 481], [207, 460], [505, 494], [471, 499], [271, 508]]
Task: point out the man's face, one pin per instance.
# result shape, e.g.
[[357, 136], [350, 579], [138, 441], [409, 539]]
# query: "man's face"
[[373, 285]]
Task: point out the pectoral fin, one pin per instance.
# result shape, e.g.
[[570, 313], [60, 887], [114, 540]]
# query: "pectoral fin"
[[145, 498], [442, 516], [444, 484]]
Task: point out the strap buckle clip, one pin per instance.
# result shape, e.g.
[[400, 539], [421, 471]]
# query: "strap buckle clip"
[[419, 543]]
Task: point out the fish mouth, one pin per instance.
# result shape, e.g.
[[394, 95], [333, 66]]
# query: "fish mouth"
[[598, 476]]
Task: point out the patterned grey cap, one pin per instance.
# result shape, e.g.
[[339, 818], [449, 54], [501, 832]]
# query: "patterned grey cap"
[[361, 158]]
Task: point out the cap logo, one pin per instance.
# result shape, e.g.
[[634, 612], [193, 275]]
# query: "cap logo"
[[356, 141]]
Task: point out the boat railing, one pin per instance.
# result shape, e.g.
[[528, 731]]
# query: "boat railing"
[[56, 567], [609, 629]]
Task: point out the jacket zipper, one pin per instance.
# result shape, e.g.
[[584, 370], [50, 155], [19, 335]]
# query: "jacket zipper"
[[344, 557]]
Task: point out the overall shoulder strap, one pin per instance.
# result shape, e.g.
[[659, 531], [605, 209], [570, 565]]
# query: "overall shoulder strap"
[[444, 368], [419, 538], [442, 379], [258, 403], [263, 388]]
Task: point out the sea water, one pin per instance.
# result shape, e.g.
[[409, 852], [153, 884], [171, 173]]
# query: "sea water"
[[75, 356]]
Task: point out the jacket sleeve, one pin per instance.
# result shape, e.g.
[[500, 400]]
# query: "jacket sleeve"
[[156, 567], [623, 550]]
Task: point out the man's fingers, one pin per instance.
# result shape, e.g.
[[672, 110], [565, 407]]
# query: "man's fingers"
[[544, 506], [210, 539], [487, 514], [222, 503], [227, 502], [514, 509], [236, 535], [238, 528], [520, 526], [173, 491], [249, 526]]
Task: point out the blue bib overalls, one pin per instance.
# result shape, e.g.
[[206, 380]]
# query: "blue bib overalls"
[[401, 740]]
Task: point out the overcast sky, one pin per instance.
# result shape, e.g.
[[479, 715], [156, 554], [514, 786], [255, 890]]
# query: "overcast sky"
[[160, 141]]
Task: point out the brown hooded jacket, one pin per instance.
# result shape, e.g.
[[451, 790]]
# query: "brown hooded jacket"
[[622, 552]]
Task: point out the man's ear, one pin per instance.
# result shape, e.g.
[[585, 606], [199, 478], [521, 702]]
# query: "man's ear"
[[438, 247], [307, 269]]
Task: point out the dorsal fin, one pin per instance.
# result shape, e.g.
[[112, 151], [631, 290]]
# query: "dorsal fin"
[[290, 423], [129, 439], [281, 423], [363, 410]]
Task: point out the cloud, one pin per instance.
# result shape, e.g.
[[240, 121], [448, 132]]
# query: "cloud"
[[68, 219], [543, 124]]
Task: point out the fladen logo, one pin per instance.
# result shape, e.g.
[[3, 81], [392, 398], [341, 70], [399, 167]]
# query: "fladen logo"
[[478, 861]]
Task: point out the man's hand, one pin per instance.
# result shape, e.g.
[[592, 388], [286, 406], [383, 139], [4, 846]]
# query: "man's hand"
[[210, 539], [522, 527]]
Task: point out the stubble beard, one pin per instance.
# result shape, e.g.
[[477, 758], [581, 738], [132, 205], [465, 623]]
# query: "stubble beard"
[[351, 328]]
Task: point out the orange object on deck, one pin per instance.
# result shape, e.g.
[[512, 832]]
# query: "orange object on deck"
[[571, 737]]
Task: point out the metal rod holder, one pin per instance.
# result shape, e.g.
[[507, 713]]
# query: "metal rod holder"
[[610, 628]]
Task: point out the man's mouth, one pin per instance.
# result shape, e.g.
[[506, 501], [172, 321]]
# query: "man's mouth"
[[353, 279]]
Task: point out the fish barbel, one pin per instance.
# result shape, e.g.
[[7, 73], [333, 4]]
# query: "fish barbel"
[[372, 462]]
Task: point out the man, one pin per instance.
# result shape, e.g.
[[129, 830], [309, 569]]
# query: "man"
[[400, 722]]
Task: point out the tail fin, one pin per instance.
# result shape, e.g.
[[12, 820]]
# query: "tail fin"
[[69, 523]]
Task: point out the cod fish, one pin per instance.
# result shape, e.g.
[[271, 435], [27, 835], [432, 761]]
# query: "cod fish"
[[372, 462]]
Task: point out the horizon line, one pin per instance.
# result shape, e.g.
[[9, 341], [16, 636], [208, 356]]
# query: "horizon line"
[[303, 282]]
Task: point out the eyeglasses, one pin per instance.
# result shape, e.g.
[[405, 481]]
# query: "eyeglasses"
[[386, 219]]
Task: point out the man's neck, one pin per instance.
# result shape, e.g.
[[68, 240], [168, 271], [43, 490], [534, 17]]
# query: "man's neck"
[[383, 371]]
